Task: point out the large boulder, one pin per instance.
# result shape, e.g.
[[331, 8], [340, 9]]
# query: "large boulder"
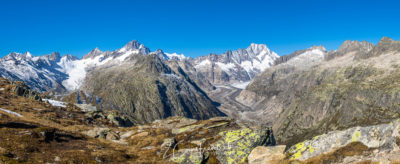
[[375, 143], [235, 145], [267, 155]]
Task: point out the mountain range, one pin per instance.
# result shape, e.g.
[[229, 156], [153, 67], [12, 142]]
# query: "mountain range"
[[310, 95]]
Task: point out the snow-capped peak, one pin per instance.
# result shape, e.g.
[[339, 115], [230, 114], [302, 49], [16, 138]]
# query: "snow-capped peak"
[[257, 48], [28, 54], [134, 46], [240, 65], [95, 52], [18, 56]]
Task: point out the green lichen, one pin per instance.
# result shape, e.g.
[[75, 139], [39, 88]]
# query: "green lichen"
[[300, 148], [187, 129], [356, 135], [236, 145]]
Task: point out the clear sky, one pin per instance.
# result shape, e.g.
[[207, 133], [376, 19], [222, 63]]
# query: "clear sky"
[[191, 27]]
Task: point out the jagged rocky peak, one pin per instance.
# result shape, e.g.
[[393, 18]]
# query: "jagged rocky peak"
[[235, 67], [258, 48], [134, 46], [95, 52], [17, 56], [160, 53], [349, 46], [385, 46], [55, 56]]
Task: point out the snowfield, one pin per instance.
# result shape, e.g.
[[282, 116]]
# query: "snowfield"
[[11, 112], [56, 103]]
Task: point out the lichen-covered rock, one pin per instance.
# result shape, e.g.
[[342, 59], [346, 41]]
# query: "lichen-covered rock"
[[235, 145], [379, 139], [267, 155], [21, 89], [173, 122], [188, 156], [121, 121], [168, 142], [185, 129]]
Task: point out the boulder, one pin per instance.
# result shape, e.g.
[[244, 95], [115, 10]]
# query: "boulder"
[[186, 129], [127, 134], [267, 155], [98, 132], [235, 145], [119, 120], [168, 143], [382, 140], [112, 136], [188, 156]]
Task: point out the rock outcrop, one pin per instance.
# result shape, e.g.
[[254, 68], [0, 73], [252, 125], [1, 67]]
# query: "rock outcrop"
[[235, 145], [379, 143]]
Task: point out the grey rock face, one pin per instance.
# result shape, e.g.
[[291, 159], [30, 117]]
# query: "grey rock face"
[[360, 48], [385, 45], [146, 89]]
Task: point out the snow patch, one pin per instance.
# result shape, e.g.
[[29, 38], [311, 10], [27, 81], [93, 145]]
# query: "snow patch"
[[56, 103], [175, 56], [127, 54], [241, 85], [308, 58], [171, 75], [76, 70], [225, 67], [203, 63], [1, 89], [11, 112]]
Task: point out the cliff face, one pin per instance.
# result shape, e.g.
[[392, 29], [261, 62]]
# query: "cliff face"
[[334, 94], [146, 89]]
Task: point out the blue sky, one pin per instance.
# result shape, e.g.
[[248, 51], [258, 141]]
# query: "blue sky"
[[191, 27]]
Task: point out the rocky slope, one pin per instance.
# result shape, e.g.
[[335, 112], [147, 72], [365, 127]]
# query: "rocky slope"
[[36, 131], [146, 89], [346, 91], [260, 95]]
